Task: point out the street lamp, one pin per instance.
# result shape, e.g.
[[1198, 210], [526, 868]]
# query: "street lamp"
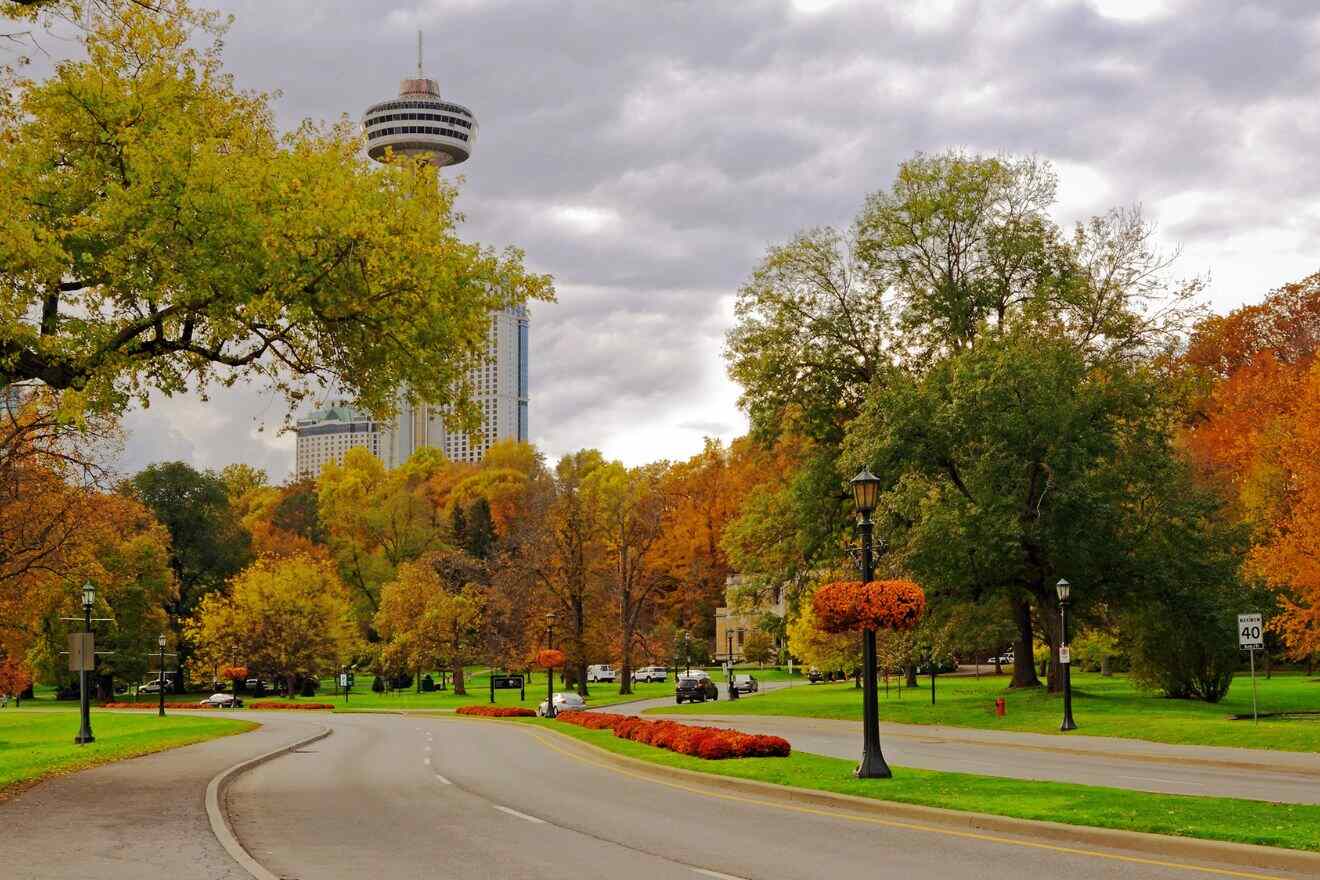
[[1064, 590], [687, 655], [733, 688], [550, 671], [866, 493], [160, 643], [87, 656]]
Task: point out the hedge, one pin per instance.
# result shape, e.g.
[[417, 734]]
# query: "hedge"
[[269, 705], [496, 711], [711, 743]]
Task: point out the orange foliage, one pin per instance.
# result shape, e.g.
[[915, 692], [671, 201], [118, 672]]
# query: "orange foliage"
[[848, 606], [15, 677], [234, 673], [549, 658]]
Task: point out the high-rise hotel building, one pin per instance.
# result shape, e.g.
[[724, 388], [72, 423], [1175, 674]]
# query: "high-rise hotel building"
[[418, 122]]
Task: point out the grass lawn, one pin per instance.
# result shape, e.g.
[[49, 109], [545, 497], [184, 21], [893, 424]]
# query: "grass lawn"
[[35, 743], [1291, 826], [1102, 707]]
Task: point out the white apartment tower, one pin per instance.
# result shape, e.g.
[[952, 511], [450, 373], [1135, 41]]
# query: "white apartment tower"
[[327, 434], [418, 122]]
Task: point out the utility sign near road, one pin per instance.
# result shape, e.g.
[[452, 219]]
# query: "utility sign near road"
[[1251, 635]]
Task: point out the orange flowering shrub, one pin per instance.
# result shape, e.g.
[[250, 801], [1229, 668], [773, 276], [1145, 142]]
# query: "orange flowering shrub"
[[549, 658], [848, 606], [273, 705], [711, 743], [496, 711]]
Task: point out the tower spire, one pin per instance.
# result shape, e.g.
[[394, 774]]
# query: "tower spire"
[[419, 53]]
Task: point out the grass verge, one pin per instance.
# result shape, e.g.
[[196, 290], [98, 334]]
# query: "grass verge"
[[1290, 826], [35, 745], [1103, 706]]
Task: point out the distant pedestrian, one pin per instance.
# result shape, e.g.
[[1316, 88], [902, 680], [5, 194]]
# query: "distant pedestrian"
[[4, 700]]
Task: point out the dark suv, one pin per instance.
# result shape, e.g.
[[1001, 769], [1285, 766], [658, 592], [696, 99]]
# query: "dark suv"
[[695, 689]]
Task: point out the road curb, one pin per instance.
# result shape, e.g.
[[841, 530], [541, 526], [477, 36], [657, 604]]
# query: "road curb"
[[219, 819], [1155, 845]]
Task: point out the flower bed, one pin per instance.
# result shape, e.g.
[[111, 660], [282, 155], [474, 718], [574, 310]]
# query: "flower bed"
[[153, 705], [496, 711], [711, 743], [269, 705]]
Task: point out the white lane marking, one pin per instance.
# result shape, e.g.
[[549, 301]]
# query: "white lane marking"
[[426, 761], [716, 874], [523, 816], [428, 748], [440, 779]]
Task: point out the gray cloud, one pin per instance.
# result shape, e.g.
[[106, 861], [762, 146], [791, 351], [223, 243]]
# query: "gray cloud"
[[646, 155]]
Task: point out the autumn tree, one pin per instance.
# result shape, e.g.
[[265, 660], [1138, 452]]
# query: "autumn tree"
[[185, 241], [286, 618], [758, 648], [433, 612]]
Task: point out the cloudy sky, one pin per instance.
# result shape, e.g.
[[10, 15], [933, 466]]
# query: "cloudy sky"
[[647, 153]]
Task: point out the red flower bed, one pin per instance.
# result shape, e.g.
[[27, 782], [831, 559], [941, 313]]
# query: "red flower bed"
[[711, 743], [270, 705], [848, 606], [152, 705], [496, 711], [549, 658]]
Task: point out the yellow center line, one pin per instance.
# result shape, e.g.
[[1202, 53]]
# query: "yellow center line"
[[907, 826]]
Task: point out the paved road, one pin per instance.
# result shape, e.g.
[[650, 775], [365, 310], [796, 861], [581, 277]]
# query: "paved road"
[[425, 797], [134, 820], [1289, 777]]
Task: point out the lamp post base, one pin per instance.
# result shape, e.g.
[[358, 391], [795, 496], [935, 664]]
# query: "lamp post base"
[[873, 766], [1068, 724], [80, 739]]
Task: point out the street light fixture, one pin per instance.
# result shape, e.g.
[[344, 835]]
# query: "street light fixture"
[[550, 672], [1064, 591], [866, 493], [160, 643], [88, 654]]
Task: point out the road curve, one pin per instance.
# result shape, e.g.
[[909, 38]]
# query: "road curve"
[[413, 797]]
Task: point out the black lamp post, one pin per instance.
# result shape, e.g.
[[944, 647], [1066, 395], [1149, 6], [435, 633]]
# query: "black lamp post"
[[687, 656], [1064, 590], [85, 732], [160, 643], [733, 688], [866, 493], [550, 671]]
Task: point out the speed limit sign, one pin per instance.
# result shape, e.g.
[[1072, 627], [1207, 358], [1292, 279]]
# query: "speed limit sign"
[[1251, 636]]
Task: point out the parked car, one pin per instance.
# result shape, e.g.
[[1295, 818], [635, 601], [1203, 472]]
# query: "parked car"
[[600, 672], [651, 674], [695, 689], [941, 667], [814, 675], [152, 687], [563, 701], [746, 684], [224, 701]]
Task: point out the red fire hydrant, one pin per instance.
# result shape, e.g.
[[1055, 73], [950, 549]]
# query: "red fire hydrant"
[[1000, 706]]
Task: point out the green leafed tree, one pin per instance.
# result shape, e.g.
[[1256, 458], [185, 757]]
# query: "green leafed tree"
[[160, 234]]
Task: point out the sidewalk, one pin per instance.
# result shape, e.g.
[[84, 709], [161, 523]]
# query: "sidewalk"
[[1289, 777], [140, 818]]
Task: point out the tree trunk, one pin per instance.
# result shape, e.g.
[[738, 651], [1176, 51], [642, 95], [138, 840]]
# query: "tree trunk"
[[1104, 665], [625, 671], [910, 673], [1024, 672], [1054, 638], [459, 689], [292, 685], [580, 640]]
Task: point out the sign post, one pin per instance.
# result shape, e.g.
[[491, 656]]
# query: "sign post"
[[1251, 638], [345, 684]]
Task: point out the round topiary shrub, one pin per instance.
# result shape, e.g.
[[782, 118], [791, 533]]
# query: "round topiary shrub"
[[378, 685]]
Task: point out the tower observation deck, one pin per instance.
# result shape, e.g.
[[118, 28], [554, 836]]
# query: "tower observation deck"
[[419, 123]]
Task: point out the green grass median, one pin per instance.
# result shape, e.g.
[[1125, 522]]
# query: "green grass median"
[[35, 744], [1103, 706], [1290, 826]]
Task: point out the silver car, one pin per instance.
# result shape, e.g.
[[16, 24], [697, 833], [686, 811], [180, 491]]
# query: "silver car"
[[563, 701], [223, 701]]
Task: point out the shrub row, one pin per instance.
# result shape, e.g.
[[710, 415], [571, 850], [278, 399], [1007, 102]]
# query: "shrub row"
[[153, 704], [269, 705], [496, 711], [711, 743]]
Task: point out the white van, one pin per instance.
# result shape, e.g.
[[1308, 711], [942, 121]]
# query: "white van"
[[600, 672]]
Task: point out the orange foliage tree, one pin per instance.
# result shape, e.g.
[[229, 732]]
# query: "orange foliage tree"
[[851, 606]]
